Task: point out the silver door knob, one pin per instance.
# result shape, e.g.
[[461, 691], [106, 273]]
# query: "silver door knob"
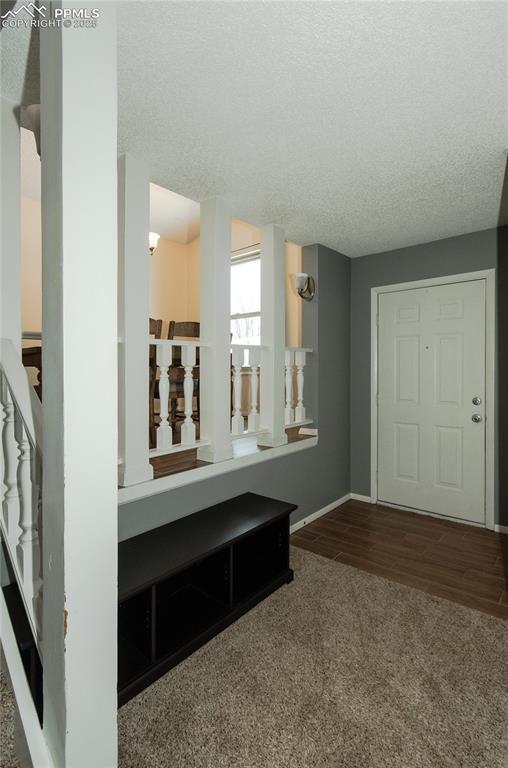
[[476, 418], [476, 400]]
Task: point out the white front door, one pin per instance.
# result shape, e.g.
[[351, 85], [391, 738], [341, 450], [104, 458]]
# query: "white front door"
[[431, 412]]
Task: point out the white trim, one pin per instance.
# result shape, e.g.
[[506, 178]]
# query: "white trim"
[[176, 343], [489, 275], [301, 423], [320, 512], [242, 255], [163, 484], [37, 746], [177, 448], [359, 497], [243, 316], [501, 528]]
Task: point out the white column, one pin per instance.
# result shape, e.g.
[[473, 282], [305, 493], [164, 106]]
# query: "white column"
[[80, 533], [188, 433], [289, 413], [300, 365], [254, 358], [164, 431], [10, 231], [133, 312], [237, 418], [273, 336], [215, 363]]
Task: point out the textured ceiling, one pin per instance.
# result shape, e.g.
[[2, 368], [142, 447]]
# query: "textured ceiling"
[[363, 126]]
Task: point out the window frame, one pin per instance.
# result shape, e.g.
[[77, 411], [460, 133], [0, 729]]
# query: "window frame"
[[242, 256]]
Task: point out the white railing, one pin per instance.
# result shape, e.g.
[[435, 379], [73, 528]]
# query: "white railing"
[[171, 372], [245, 362], [178, 371], [20, 521], [295, 359]]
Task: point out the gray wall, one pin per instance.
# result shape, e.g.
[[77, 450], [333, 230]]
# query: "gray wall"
[[313, 477], [454, 255], [337, 324], [502, 371]]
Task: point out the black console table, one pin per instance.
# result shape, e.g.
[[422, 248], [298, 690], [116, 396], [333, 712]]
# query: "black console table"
[[183, 583]]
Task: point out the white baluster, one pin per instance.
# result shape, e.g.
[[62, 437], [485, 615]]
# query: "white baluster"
[[254, 359], [289, 411], [164, 432], [188, 427], [237, 425], [10, 501], [300, 364], [27, 550]]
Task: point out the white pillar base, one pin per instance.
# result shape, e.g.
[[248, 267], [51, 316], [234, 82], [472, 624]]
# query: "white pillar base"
[[269, 440], [134, 475], [215, 453]]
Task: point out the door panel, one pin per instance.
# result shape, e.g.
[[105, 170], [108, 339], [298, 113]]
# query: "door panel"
[[431, 363], [407, 369], [406, 459], [449, 368], [449, 468]]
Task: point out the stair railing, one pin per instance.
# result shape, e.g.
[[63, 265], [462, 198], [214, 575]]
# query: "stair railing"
[[20, 521]]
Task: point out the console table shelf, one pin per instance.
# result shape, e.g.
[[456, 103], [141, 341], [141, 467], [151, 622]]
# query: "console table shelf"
[[182, 583]]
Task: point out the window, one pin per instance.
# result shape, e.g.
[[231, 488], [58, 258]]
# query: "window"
[[246, 299]]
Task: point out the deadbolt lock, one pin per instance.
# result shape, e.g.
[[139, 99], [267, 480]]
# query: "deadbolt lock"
[[476, 418], [476, 400]]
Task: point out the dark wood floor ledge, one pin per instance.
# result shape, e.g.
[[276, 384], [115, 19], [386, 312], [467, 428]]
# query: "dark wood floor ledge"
[[458, 562]]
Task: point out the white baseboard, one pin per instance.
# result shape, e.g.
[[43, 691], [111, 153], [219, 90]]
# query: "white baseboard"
[[359, 497], [319, 513], [501, 528]]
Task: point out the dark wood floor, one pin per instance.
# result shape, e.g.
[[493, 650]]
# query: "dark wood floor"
[[458, 562]]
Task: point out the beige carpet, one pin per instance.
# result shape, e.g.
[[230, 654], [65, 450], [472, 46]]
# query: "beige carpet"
[[340, 668], [7, 754]]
